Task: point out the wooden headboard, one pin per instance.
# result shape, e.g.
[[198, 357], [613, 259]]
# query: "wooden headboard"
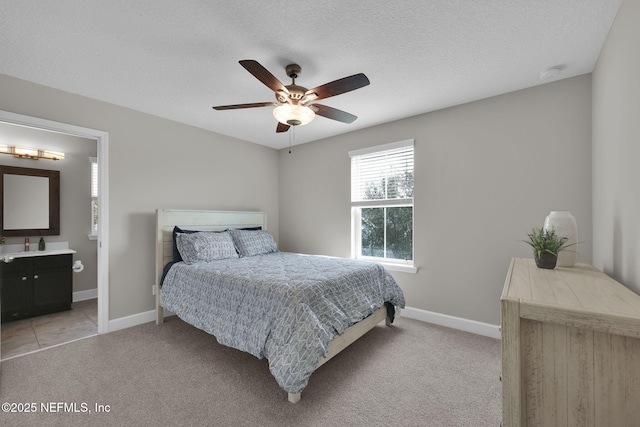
[[166, 219]]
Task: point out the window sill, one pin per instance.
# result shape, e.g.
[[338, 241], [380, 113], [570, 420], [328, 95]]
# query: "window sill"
[[400, 267], [93, 237]]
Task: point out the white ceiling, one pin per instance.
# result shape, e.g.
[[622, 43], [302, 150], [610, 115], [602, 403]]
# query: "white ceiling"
[[176, 59]]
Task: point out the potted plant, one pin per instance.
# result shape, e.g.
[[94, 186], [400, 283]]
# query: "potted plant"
[[546, 246]]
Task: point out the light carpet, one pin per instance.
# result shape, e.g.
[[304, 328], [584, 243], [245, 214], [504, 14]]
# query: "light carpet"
[[409, 374]]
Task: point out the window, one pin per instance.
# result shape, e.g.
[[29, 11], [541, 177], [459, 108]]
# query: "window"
[[382, 202], [94, 197]]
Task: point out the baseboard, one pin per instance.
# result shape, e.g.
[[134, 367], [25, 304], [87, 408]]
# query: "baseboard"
[[85, 295], [133, 320], [478, 328]]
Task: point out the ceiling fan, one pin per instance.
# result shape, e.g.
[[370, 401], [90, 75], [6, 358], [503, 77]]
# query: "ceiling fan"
[[296, 104]]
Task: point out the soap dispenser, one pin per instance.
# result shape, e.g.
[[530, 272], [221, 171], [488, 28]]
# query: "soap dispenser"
[[41, 244]]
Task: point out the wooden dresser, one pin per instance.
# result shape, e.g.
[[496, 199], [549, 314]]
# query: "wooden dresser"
[[570, 348]]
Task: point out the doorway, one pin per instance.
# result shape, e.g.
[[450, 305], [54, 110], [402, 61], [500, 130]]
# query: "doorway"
[[102, 140]]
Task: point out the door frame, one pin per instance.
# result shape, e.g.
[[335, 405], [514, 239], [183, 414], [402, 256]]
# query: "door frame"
[[102, 139]]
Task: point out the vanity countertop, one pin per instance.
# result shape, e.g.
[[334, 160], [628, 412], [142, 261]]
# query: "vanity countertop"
[[38, 253], [53, 248]]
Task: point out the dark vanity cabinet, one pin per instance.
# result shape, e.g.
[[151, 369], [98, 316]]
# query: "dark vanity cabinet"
[[36, 285]]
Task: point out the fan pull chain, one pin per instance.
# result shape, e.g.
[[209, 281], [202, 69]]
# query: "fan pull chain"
[[292, 136]]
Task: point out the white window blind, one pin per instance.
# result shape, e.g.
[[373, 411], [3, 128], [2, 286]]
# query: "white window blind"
[[94, 177], [383, 174], [94, 197]]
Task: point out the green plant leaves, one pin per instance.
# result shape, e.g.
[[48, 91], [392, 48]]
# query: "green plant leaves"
[[546, 241]]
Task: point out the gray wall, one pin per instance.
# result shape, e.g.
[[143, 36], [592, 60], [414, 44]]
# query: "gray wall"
[[154, 163], [485, 173], [75, 192], [616, 150]]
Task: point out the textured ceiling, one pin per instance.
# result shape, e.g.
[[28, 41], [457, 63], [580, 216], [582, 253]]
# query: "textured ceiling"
[[176, 59]]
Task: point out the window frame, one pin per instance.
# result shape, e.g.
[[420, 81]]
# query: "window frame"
[[356, 209]]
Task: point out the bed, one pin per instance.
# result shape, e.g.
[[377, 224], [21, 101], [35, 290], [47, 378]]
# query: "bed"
[[297, 311]]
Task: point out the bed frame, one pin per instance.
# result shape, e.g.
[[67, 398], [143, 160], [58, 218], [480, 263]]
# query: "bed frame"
[[166, 219]]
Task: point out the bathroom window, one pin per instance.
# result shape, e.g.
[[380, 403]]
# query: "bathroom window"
[[94, 198]]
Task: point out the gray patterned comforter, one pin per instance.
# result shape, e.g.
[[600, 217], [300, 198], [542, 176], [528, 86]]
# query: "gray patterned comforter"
[[282, 306]]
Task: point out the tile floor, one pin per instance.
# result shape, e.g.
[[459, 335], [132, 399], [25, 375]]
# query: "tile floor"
[[26, 335]]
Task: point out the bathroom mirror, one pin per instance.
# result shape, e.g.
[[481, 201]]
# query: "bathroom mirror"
[[29, 202]]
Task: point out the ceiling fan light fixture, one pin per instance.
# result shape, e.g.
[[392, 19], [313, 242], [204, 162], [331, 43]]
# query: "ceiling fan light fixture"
[[293, 115], [293, 101]]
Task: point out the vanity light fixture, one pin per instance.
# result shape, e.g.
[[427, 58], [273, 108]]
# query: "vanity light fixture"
[[30, 153]]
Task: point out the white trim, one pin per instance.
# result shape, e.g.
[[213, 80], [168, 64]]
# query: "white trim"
[[85, 295], [103, 233], [132, 320], [478, 328], [102, 139], [380, 203], [403, 268], [383, 147]]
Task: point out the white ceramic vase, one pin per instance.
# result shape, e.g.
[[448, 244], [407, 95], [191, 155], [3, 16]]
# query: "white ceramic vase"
[[565, 226]]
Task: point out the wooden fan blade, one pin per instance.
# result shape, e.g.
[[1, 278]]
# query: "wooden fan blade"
[[262, 74], [333, 113], [237, 106], [282, 127], [337, 87]]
